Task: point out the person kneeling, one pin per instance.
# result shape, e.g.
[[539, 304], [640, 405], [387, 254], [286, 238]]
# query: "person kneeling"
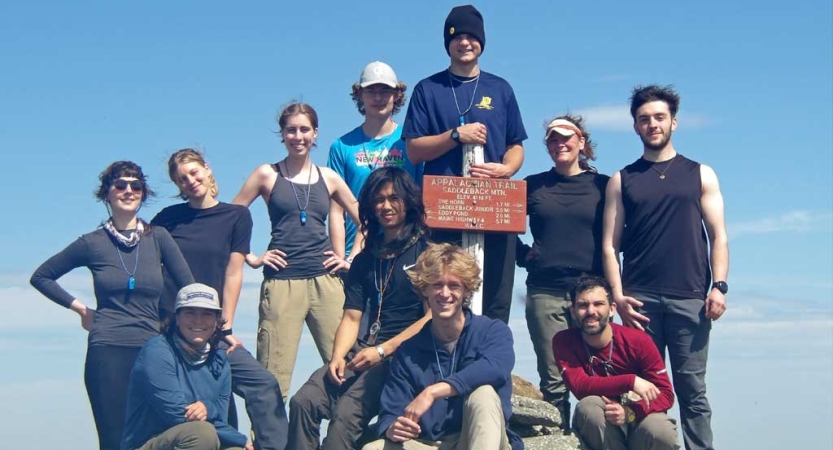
[[450, 385], [616, 373], [180, 385]]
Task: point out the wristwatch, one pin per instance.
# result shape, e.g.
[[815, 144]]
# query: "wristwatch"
[[380, 351], [455, 135], [721, 286]]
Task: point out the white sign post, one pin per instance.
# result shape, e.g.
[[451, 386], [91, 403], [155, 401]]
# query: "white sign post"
[[474, 241]]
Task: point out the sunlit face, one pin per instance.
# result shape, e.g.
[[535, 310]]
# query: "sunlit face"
[[388, 208], [298, 135], [196, 325], [593, 310], [464, 49], [446, 295], [378, 99], [654, 125], [193, 180], [564, 150], [125, 194]]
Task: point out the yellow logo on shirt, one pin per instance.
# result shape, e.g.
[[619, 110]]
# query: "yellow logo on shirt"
[[485, 103]]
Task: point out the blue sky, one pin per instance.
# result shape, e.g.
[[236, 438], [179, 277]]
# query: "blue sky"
[[86, 83]]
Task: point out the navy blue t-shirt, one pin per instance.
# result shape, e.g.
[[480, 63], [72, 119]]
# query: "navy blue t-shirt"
[[432, 111], [207, 238]]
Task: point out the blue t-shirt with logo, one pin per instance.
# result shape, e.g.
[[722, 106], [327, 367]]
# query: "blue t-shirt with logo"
[[433, 111], [355, 155]]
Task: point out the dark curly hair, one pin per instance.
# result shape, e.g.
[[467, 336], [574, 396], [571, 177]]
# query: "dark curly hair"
[[588, 282], [652, 93], [121, 169], [398, 100]]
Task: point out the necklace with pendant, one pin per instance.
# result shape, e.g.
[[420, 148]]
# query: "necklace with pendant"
[[131, 281], [662, 174], [382, 282], [462, 114], [298, 201]]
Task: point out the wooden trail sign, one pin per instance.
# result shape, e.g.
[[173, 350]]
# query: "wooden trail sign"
[[474, 205]]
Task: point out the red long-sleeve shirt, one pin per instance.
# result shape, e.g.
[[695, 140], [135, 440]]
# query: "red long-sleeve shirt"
[[634, 354]]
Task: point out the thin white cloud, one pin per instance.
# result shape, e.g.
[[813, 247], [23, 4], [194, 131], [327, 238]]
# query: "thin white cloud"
[[618, 118], [796, 221]]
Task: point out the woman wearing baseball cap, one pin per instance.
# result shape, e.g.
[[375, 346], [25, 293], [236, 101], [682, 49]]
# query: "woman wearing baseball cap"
[[180, 386], [565, 207]]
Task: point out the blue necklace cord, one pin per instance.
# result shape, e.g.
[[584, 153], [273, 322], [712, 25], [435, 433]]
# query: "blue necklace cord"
[[297, 201], [131, 281]]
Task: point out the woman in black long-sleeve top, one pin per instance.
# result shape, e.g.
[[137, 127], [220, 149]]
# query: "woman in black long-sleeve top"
[[565, 207], [125, 256]]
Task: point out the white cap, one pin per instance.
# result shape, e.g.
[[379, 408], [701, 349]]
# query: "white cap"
[[378, 72], [198, 295], [563, 127]]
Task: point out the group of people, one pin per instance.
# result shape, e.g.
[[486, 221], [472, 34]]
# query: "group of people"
[[387, 300]]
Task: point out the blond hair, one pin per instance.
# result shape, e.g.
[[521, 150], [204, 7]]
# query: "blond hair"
[[185, 156], [439, 259]]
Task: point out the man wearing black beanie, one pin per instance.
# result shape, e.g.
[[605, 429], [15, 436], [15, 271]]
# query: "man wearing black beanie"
[[465, 105]]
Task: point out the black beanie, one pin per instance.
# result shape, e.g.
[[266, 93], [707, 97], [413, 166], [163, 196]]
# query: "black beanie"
[[464, 19]]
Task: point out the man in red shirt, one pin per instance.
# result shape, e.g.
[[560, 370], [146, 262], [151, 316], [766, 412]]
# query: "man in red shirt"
[[617, 375]]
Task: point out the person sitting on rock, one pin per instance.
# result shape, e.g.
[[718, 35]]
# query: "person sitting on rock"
[[450, 385], [617, 375], [178, 395]]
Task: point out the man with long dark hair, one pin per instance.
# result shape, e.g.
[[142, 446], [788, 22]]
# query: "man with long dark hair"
[[347, 390]]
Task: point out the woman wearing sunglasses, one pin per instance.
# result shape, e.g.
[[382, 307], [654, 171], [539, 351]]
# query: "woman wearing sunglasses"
[[214, 239], [125, 256], [300, 267]]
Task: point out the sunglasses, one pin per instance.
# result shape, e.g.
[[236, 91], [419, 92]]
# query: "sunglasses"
[[135, 185]]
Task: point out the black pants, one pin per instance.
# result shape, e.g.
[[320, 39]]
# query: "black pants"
[[498, 270], [264, 402], [106, 376], [348, 407]]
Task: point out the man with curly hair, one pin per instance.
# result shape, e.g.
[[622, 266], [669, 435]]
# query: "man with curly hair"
[[450, 385], [376, 143]]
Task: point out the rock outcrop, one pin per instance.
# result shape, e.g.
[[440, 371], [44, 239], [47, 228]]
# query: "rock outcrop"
[[536, 421]]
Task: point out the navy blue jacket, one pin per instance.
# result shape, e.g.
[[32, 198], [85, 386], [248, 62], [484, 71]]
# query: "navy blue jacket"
[[484, 356], [162, 385]]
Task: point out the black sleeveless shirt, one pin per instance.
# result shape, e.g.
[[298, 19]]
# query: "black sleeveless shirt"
[[304, 245], [664, 244]]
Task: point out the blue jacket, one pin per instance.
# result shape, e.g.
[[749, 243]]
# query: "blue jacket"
[[484, 355], [162, 385]]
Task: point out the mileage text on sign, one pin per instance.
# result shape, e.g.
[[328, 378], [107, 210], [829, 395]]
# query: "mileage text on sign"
[[475, 204]]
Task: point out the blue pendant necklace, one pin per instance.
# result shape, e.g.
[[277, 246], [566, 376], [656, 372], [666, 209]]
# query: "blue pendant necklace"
[[131, 282], [298, 201], [462, 114]]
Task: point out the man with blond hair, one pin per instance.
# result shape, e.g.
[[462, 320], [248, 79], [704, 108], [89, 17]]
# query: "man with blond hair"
[[450, 385]]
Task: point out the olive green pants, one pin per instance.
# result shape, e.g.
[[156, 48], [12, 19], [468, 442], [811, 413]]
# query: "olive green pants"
[[187, 436], [284, 307]]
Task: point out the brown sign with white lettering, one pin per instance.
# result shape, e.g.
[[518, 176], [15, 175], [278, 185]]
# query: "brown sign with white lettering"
[[475, 204]]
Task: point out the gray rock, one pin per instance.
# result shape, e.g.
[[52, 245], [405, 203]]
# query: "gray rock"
[[528, 411], [553, 442]]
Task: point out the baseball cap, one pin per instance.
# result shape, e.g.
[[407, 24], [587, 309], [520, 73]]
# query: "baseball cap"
[[563, 127], [378, 72], [198, 295]]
